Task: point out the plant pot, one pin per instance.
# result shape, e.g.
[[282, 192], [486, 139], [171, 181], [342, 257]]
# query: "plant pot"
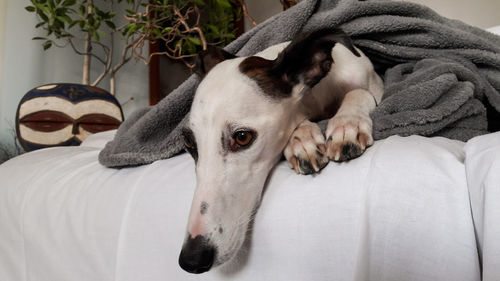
[[65, 114]]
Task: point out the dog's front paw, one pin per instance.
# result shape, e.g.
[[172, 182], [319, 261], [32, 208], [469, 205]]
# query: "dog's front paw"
[[348, 135], [306, 150]]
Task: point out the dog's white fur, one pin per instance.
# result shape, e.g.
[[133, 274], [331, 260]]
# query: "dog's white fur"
[[230, 184]]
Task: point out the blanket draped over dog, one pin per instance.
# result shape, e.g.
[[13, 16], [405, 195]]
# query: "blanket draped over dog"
[[439, 75]]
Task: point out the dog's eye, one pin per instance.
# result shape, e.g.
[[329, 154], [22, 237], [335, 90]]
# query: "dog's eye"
[[243, 138], [188, 142]]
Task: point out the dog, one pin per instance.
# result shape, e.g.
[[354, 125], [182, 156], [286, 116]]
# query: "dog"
[[249, 111]]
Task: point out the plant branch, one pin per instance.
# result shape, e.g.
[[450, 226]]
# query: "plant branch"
[[88, 49], [109, 53], [125, 58], [85, 53], [245, 12]]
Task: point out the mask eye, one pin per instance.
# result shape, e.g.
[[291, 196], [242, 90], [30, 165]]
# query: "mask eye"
[[242, 139]]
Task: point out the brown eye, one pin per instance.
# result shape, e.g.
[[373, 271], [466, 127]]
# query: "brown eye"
[[188, 142], [243, 138]]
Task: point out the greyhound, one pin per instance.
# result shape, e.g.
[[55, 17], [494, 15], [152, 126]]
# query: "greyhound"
[[249, 111]]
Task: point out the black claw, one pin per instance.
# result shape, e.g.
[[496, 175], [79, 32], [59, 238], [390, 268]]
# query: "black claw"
[[322, 160], [306, 167], [320, 155], [350, 151]]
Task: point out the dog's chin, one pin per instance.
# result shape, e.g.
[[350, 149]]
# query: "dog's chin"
[[224, 257]]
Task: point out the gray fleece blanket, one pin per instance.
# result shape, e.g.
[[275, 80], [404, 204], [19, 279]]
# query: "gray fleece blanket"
[[439, 75]]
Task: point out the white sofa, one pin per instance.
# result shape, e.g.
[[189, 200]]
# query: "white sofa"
[[400, 212]]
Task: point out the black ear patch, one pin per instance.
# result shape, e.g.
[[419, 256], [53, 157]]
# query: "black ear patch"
[[259, 69], [306, 60], [209, 58]]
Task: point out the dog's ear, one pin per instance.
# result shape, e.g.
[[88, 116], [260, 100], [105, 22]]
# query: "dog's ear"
[[306, 60], [209, 58]]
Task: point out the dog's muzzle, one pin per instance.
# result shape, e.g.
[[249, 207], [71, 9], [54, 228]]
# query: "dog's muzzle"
[[197, 255]]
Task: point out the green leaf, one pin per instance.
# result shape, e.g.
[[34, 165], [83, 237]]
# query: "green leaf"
[[156, 33], [131, 28], [213, 28], [38, 38], [178, 44], [47, 45], [39, 24], [82, 10], [96, 37], [58, 24], [100, 13], [188, 47], [69, 2], [110, 24], [230, 36], [195, 41], [167, 29], [224, 3], [73, 24], [30, 9], [91, 20], [51, 3], [42, 15], [65, 19]]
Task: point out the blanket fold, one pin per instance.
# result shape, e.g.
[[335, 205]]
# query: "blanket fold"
[[440, 75]]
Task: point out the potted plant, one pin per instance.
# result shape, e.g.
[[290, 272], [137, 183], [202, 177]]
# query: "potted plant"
[[89, 28]]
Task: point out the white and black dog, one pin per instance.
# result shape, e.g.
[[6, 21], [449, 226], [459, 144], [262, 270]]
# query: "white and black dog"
[[247, 111]]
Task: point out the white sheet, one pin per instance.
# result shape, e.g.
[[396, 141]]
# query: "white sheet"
[[483, 176], [400, 212]]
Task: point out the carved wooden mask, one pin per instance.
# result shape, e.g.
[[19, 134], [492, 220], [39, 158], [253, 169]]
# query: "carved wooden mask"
[[65, 114]]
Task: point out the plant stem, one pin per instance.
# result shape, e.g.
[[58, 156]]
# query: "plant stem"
[[109, 57], [245, 12], [112, 88], [88, 50]]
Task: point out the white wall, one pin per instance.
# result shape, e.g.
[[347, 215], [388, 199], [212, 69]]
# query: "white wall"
[[25, 65], [481, 13], [260, 10], [22, 61], [3, 10]]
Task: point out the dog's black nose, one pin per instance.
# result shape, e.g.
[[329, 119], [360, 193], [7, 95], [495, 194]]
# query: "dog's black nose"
[[197, 255]]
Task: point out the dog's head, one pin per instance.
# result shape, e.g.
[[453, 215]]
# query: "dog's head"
[[243, 113]]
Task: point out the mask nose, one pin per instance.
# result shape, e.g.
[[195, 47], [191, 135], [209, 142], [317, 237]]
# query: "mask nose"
[[197, 255]]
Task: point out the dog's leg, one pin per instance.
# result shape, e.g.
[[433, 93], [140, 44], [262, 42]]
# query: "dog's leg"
[[306, 150], [349, 132]]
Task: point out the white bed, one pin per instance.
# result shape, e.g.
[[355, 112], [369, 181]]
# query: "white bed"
[[400, 212], [410, 208]]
